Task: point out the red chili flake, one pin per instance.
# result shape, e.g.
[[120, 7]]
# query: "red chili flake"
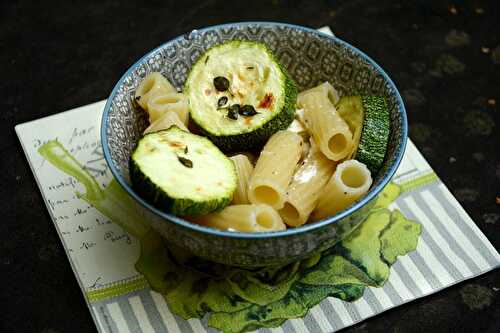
[[267, 101], [248, 120], [208, 92]]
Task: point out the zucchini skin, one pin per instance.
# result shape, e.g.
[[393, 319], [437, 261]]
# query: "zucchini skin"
[[259, 136], [153, 194], [375, 133]]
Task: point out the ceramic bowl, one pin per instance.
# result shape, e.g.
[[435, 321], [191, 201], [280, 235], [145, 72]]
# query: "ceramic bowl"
[[311, 57]]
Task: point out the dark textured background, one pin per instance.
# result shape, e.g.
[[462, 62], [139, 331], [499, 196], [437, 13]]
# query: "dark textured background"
[[443, 56]]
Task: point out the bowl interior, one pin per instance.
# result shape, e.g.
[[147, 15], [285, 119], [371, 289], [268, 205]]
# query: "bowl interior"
[[309, 56]]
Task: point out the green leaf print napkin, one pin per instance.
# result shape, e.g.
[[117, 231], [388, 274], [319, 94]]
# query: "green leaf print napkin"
[[238, 300]]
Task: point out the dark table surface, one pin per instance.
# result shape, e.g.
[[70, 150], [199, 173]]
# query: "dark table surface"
[[443, 56]]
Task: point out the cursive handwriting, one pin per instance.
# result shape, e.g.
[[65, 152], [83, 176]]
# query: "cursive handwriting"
[[96, 164], [55, 203], [102, 222], [82, 228], [61, 218], [80, 211], [37, 143], [66, 182], [79, 132], [111, 236], [87, 245], [96, 283], [84, 146]]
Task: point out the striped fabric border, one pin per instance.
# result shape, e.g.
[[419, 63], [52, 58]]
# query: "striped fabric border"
[[139, 282], [421, 180], [450, 250], [117, 289]]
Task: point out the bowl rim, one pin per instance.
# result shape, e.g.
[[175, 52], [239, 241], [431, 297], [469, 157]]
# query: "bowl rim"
[[170, 218]]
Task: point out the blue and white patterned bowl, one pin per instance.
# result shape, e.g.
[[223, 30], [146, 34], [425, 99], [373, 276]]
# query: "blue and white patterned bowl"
[[311, 57]]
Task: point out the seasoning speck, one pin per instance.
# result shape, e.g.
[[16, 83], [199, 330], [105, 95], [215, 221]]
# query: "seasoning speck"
[[186, 150], [206, 59], [137, 98], [267, 101], [175, 144], [186, 162], [250, 68], [485, 49], [221, 83], [222, 101]]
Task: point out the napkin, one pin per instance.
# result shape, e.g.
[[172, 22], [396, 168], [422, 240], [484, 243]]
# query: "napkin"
[[104, 255]]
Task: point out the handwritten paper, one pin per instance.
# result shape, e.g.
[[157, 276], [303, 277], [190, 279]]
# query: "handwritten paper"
[[101, 252]]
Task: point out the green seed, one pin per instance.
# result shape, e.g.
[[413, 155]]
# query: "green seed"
[[222, 101], [247, 110], [186, 162], [232, 111], [221, 83]]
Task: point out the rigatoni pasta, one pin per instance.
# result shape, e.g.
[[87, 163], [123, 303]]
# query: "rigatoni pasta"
[[244, 170], [351, 180], [297, 127], [305, 188], [246, 218], [297, 177], [161, 103], [274, 169], [325, 88], [329, 130], [152, 84], [164, 122]]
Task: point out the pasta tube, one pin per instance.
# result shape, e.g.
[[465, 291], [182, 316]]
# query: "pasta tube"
[[297, 127], [150, 85], [244, 170], [274, 169], [351, 180], [326, 89], [329, 130], [245, 218], [304, 190], [160, 103], [164, 122]]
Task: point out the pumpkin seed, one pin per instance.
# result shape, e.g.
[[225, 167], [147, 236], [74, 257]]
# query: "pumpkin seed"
[[186, 162], [222, 101], [221, 83], [247, 110]]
